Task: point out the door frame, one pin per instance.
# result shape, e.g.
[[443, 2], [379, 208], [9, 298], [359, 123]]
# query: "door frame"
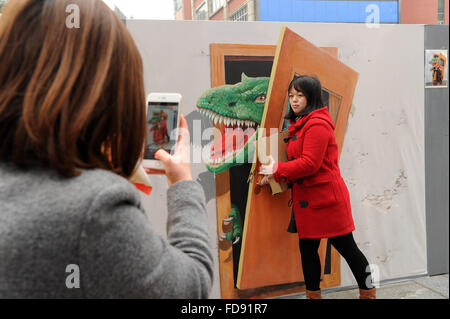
[[219, 53]]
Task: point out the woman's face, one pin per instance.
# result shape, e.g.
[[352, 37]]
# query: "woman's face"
[[298, 100]]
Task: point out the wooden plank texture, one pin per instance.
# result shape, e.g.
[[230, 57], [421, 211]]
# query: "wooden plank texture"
[[270, 255]]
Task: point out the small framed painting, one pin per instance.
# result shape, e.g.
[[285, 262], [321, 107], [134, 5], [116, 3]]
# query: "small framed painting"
[[436, 69]]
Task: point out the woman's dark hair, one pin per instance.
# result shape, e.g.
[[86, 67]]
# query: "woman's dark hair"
[[70, 98], [312, 89]]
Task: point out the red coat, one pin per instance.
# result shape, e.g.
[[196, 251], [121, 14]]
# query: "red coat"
[[319, 194]]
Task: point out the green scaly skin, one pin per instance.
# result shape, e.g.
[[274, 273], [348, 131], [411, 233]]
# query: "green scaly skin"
[[236, 232], [242, 103]]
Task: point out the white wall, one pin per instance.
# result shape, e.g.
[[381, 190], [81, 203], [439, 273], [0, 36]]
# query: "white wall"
[[383, 156]]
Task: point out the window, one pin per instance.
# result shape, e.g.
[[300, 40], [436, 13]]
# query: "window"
[[201, 13], [178, 4], [240, 15], [2, 3], [441, 11], [216, 5]]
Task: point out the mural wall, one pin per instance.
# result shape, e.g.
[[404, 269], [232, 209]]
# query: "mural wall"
[[382, 159]]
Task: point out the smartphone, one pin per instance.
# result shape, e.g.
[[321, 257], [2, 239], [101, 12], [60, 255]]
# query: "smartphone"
[[163, 119]]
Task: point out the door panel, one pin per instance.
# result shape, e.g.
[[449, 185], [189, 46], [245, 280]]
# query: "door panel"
[[269, 254]]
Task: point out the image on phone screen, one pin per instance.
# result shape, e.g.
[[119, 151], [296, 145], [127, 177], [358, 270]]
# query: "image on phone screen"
[[161, 121]]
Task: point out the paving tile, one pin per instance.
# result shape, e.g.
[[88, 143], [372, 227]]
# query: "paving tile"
[[436, 287], [346, 294], [439, 284], [407, 290]]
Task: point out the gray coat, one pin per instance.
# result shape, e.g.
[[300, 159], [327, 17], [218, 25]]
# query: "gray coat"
[[88, 237]]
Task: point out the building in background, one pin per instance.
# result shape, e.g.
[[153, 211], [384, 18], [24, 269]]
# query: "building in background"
[[183, 9], [121, 15], [357, 11], [2, 3], [232, 10], [424, 11]]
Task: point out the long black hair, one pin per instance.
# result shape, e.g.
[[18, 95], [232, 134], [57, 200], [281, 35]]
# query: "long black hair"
[[312, 89]]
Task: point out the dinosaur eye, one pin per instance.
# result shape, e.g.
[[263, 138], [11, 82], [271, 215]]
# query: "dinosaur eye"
[[261, 98]]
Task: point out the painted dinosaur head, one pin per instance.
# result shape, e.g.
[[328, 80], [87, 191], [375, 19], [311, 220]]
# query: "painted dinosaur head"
[[238, 111]]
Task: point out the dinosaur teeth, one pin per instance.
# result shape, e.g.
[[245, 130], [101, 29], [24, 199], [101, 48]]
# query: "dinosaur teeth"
[[220, 160], [219, 119]]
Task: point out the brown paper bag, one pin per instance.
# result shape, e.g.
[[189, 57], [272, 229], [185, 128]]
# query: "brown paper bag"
[[275, 146]]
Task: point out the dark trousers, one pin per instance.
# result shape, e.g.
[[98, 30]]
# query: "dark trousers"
[[348, 249]]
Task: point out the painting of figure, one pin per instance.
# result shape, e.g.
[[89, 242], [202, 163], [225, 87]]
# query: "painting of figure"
[[436, 74]]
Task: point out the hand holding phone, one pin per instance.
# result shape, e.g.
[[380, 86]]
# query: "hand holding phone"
[[163, 118], [177, 166]]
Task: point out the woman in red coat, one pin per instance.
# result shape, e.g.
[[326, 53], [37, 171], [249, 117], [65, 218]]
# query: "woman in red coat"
[[321, 200]]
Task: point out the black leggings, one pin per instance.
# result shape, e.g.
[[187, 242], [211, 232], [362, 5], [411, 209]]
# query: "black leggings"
[[348, 249]]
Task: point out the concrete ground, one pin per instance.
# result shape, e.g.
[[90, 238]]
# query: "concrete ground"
[[435, 287]]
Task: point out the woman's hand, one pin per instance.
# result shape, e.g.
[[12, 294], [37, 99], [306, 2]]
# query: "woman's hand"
[[177, 166], [265, 180], [268, 169]]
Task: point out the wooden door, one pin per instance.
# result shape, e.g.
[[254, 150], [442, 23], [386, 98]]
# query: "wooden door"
[[220, 53], [269, 255]]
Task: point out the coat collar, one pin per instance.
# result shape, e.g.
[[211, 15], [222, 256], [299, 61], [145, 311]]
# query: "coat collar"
[[321, 113]]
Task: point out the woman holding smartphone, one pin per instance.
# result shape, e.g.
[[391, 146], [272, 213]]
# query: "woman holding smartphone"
[[320, 197], [73, 127]]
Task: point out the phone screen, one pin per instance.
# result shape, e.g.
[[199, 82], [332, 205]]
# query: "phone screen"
[[161, 122]]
